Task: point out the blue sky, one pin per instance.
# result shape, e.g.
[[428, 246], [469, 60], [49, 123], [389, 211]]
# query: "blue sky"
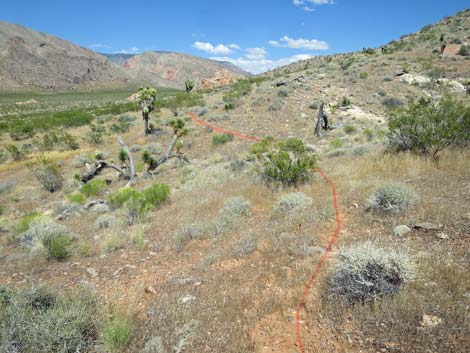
[[254, 34]]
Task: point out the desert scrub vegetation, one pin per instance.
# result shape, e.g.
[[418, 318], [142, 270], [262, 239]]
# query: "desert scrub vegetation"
[[117, 333], [139, 203], [184, 234], [391, 198], [428, 126], [105, 222], [220, 139], [285, 162], [292, 203], [47, 172], [365, 272], [45, 238], [94, 187], [43, 321], [59, 139], [232, 211]]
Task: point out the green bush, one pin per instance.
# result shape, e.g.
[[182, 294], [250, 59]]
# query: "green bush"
[[464, 50], [120, 197], [220, 139], [76, 197], [336, 143], [117, 333], [286, 162], [365, 273], [23, 224], [40, 321], [94, 187], [363, 75], [156, 194], [428, 127], [56, 245], [391, 198], [349, 129], [15, 152]]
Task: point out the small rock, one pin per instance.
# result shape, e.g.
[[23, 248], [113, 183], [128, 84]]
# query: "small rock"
[[442, 235], [427, 226], [430, 321], [187, 298], [92, 272], [154, 345], [401, 230], [150, 290]]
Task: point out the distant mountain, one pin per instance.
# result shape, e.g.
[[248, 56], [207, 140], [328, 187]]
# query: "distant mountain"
[[35, 60], [31, 59], [169, 69]]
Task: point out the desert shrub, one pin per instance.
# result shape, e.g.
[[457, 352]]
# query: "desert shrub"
[[94, 187], [48, 174], [363, 75], [185, 234], [292, 203], [282, 93], [41, 321], [429, 127], [275, 105], [220, 139], [23, 224], [153, 148], [229, 106], [6, 186], [46, 237], [349, 129], [236, 207], [345, 102], [336, 153], [3, 155], [359, 151], [96, 135], [246, 246], [464, 50], [105, 221], [391, 102], [123, 123], [336, 143], [237, 165], [369, 134], [76, 197], [58, 139], [365, 272], [156, 194], [286, 162], [391, 198], [16, 153], [117, 333], [112, 242], [119, 197]]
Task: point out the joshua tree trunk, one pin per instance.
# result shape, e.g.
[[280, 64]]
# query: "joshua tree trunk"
[[318, 127], [146, 122]]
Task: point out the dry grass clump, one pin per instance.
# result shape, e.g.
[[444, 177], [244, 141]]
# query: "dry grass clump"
[[292, 203], [392, 198], [366, 272], [234, 208], [42, 321], [105, 222], [184, 234]]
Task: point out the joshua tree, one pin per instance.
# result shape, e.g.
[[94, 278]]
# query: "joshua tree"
[[189, 86], [146, 97]]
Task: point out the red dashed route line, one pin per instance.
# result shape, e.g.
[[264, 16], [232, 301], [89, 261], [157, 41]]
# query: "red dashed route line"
[[333, 238]]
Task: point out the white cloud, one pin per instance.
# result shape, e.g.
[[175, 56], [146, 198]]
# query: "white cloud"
[[219, 49], [306, 44], [305, 4], [99, 46], [255, 60], [133, 50]]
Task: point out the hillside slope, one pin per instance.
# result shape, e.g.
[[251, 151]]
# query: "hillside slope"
[[31, 59], [169, 69]]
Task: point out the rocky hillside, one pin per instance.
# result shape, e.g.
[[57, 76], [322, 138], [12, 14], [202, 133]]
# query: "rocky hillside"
[[169, 69], [35, 60], [30, 59]]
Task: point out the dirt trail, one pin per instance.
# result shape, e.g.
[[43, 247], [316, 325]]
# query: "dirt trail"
[[287, 338]]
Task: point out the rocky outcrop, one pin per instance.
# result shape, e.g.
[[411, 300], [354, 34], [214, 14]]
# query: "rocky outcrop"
[[221, 78]]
